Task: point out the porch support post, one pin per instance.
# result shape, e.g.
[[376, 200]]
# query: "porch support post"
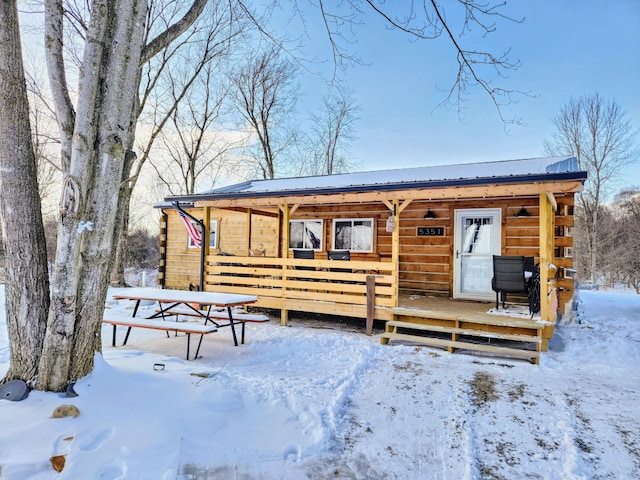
[[248, 231], [547, 280], [395, 251], [284, 248], [205, 245]]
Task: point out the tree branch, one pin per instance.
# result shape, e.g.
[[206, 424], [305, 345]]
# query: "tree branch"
[[174, 31]]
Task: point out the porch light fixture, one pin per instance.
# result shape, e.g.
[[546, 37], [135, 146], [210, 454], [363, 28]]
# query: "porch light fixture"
[[523, 213], [429, 214]]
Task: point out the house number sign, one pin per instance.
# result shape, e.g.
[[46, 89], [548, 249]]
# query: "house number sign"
[[431, 231]]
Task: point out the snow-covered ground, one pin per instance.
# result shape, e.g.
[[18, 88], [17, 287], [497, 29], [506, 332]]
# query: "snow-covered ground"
[[306, 402]]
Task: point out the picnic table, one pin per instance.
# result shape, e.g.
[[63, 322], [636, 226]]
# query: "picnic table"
[[202, 305]]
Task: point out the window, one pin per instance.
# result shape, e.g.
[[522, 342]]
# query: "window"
[[305, 234], [213, 234], [355, 235]]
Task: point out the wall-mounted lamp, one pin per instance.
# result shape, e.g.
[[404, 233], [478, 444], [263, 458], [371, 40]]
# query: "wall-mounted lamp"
[[523, 213], [429, 214]]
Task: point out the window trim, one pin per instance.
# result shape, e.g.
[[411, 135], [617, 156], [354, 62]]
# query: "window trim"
[[373, 235], [303, 221]]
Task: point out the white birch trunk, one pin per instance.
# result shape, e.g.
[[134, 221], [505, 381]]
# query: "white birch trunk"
[[106, 96]]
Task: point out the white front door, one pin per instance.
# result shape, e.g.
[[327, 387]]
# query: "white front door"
[[477, 237]]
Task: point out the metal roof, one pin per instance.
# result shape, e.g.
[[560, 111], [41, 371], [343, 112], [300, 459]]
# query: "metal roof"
[[508, 171]]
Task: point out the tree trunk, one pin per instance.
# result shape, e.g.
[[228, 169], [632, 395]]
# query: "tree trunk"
[[124, 203], [87, 229], [27, 288], [117, 274]]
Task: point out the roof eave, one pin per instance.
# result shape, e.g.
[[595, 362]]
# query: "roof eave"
[[462, 182]]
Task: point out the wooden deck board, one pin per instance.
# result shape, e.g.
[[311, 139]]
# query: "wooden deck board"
[[472, 312]]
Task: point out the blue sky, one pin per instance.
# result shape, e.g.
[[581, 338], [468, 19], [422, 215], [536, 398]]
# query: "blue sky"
[[567, 47]]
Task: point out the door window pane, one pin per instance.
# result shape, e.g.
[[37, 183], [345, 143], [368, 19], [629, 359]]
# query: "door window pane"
[[477, 235], [476, 273]]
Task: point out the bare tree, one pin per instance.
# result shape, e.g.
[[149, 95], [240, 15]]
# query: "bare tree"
[[621, 239], [263, 93], [333, 130], [600, 135], [194, 151]]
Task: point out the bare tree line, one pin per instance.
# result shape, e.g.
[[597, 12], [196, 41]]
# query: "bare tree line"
[[619, 263]]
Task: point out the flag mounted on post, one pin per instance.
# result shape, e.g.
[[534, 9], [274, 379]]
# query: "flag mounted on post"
[[192, 230]]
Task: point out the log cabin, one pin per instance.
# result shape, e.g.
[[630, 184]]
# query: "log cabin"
[[416, 248]]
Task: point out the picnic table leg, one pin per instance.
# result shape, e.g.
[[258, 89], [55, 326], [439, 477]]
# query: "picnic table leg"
[[135, 309], [113, 341], [188, 344], [207, 317], [198, 349], [126, 337], [162, 313], [233, 327]]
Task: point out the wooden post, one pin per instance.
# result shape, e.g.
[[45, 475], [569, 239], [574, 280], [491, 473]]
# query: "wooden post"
[[454, 337], [248, 231], [164, 236], [371, 302], [547, 237], [284, 313], [395, 251]]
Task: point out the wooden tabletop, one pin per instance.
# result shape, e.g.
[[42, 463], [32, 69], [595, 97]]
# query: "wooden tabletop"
[[184, 296]]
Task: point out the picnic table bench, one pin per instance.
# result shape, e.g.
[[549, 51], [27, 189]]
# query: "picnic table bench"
[[168, 326], [238, 316]]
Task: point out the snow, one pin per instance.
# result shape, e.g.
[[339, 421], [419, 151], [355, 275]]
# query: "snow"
[[222, 299], [318, 400]]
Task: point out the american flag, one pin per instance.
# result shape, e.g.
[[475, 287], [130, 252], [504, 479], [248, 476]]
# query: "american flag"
[[192, 230]]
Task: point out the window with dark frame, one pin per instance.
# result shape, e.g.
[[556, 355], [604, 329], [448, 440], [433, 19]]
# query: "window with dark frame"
[[353, 234], [306, 234]]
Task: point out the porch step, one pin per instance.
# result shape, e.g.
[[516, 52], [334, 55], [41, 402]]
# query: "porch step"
[[466, 331], [474, 339], [437, 342]]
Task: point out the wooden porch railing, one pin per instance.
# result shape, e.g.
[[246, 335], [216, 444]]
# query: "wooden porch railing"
[[305, 285]]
